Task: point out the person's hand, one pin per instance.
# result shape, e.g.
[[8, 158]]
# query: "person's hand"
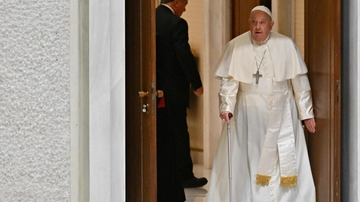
[[310, 125], [199, 91], [226, 116]]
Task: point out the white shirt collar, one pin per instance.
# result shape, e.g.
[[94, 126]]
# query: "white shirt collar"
[[169, 8]]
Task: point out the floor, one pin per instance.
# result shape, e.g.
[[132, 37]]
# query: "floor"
[[198, 194]]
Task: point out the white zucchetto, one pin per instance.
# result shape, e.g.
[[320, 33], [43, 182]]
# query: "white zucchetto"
[[262, 8]]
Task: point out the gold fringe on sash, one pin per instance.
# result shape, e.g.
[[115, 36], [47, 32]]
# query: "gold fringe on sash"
[[288, 181], [263, 180]]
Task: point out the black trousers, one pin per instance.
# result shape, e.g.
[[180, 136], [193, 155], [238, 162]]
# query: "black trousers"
[[173, 150], [180, 132], [169, 186]]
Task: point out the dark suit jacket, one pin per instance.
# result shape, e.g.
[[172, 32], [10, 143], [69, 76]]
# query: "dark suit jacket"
[[176, 68]]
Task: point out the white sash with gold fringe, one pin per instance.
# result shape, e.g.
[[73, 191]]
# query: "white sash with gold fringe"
[[279, 145]]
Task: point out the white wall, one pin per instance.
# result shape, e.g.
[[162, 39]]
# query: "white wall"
[[62, 103], [35, 101]]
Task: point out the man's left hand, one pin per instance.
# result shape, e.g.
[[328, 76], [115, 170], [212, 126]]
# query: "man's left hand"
[[199, 91]]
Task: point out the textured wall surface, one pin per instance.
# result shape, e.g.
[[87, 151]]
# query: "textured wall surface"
[[34, 101]]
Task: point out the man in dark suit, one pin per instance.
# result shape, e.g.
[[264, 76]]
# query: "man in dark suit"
[[176, 73]]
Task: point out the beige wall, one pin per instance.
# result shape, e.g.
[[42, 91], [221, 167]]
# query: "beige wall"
[[289, 20], [300, 25], [194, 15]]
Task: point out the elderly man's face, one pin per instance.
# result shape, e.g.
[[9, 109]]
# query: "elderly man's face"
[[260, 25]]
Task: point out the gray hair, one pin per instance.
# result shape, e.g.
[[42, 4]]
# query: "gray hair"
[[168, 1]]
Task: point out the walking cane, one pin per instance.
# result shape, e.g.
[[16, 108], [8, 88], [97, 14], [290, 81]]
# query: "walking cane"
[[229, 158]]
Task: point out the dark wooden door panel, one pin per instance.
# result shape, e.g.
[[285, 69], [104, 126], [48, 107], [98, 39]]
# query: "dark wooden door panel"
[[322, 41], [140, 126]]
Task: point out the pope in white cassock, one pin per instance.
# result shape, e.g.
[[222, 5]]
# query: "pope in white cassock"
[[265, 87]]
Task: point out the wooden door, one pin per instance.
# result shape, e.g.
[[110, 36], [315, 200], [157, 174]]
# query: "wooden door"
[[140, 125], [322, 55]]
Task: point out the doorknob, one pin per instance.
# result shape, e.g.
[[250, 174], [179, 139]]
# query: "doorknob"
[[158, 93], [143, 93], [154, 94]]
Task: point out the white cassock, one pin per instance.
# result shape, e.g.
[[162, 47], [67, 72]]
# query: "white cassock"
[[268, 149]]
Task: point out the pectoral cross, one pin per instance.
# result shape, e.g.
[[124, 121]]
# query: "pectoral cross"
[[257, 76]]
